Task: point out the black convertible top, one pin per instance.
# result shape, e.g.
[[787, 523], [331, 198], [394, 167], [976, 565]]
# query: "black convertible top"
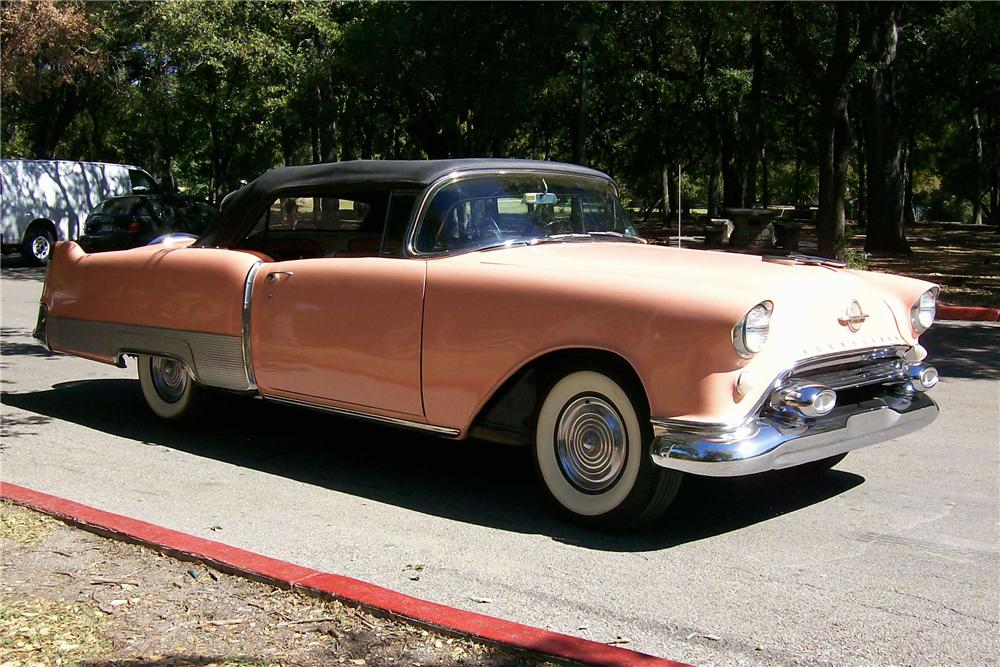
[[243, 206]]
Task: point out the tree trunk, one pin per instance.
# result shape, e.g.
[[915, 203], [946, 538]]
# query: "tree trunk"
[[756, 139], [327, 121], [909, 215], [834, 151], [994, 194], [732, 183], [861, 201], [669, 192], [713, 188], [977, 198], [765, 185], [884, 143]]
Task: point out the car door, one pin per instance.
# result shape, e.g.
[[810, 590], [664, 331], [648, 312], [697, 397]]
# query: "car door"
[[343, 329]]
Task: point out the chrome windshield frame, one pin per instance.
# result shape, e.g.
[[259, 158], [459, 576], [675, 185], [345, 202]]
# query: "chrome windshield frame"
[[456, 176]]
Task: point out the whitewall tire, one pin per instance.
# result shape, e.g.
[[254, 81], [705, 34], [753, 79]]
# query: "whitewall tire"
[[169, 388], [591, 451]]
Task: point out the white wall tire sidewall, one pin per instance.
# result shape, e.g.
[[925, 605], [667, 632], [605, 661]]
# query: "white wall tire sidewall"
[[163, 409], [567, 495]]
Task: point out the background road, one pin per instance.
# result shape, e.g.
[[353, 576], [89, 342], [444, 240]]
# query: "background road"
[[891, 558]]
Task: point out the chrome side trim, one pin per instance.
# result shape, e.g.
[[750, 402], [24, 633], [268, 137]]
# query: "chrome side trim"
[[770, 443], [448, 179], [215, 360], [247, 303], [365, 416]]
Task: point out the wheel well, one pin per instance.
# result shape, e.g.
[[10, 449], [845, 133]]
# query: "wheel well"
[[508, 416], [41, 222]]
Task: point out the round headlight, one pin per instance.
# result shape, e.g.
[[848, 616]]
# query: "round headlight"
[[923, 310], [750, 333]]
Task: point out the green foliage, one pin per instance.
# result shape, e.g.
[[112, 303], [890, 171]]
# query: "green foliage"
[[207, 94]]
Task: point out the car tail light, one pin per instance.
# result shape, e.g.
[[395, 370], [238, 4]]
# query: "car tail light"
[[134, 228]]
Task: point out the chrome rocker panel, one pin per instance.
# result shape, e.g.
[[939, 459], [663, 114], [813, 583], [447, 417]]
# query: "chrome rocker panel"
[[771, 442]]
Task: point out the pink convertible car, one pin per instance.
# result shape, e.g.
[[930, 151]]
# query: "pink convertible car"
[[512, 301]]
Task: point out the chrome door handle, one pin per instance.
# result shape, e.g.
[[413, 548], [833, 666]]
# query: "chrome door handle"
[[271, 277]]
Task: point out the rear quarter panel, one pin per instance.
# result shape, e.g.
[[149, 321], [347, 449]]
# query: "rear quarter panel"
[[187, 290]]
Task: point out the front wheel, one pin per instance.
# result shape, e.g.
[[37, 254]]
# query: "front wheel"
[[169, 389], [591, 451]]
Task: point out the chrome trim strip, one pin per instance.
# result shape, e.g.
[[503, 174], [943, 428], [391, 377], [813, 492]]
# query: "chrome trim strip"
[[771, 443], [802, 366], [886, 371], [247, 303], [215, 360], [365, 416], [452, 177]]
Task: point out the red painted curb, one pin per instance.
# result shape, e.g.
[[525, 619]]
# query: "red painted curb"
[[289, 575], [968, 313]]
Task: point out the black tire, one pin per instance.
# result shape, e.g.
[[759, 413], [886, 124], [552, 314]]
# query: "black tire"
[[170, 390], [36, 249], [592, 453]]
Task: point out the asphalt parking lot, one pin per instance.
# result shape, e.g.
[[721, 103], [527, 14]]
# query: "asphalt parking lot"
[[891, 558]]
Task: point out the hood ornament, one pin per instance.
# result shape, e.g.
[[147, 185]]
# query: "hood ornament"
[[854, 317]]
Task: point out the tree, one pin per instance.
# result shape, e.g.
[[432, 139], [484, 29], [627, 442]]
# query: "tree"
[[824, 42], [48, 54]]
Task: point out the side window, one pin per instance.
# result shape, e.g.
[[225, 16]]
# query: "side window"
[[400, 209], [302, 227], [142, 182]]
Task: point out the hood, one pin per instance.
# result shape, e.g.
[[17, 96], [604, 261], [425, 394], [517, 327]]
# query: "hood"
[[809, 301]]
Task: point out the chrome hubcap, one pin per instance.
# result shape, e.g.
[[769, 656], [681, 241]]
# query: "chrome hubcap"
[[591, 443], [169, 378], [41, 247]]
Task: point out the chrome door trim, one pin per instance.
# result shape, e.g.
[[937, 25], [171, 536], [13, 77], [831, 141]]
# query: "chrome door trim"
[[247, 303], [369, 417]]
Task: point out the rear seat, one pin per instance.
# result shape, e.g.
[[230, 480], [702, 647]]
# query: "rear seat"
[[362, 246]]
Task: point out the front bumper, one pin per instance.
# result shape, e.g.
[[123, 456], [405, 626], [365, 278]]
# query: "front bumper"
[[771, 439]]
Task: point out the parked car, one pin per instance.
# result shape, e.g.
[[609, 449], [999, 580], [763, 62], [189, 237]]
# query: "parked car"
[[48, 200], [120, 223], [509, 300]]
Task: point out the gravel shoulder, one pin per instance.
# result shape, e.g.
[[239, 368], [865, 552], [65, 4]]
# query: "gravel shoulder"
[[71, 597]]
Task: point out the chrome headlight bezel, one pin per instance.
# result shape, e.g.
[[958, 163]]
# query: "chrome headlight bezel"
[[924, 310], [751, 332]]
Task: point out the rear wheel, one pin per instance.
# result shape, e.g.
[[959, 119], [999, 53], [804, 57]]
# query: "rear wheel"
[[37, 246], [169, 388], [591, 451]]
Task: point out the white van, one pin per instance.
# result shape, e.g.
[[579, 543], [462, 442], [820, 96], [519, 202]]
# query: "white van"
[[48, 200]]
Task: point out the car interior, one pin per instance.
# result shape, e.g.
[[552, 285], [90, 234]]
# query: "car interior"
[[350, 224]]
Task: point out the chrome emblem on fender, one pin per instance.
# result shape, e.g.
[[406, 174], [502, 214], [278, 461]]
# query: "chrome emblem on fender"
[[854, 317]]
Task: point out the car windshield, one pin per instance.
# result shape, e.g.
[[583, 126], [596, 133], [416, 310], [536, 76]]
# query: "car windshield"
[[505, 209]]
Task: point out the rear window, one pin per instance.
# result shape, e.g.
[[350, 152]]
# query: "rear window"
[[117, 206], [142, 182]]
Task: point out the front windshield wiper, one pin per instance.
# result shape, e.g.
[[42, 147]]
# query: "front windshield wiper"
[[505, 244], [589, 236], [619, 235], [559, 238]]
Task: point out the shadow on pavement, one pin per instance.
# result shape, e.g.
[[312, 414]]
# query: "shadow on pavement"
[[964, 350], [470, 481]]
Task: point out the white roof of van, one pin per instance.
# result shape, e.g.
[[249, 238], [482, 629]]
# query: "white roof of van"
[[116, 164]]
